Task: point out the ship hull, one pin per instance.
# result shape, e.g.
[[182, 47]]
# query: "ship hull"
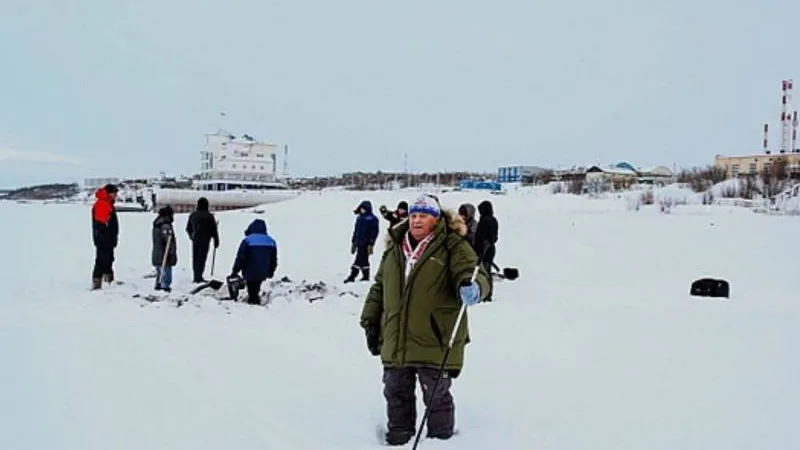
[[185, 200]]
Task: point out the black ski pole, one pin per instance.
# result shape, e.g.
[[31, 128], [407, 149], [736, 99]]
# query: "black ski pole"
[[443, 364]]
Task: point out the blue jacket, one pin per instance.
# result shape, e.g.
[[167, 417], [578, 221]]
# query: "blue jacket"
[[366, 228], [257, 256]]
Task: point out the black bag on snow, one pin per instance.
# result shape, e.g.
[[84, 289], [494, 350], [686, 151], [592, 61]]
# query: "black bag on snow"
[[710, 287]]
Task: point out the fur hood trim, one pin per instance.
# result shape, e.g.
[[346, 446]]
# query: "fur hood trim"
[[455, 224]]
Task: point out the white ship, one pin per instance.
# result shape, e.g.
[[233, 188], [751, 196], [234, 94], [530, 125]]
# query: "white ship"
[[235, 173]]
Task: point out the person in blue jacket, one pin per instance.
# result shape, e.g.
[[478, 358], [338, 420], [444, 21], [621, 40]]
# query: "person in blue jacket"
[[257, 259], [364, 235]]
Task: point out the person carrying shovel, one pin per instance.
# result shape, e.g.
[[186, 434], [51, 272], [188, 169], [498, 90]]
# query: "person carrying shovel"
[[202, 229], [165, 253]]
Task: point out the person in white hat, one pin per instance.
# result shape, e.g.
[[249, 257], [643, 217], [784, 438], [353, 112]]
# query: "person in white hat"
[[410, 312]]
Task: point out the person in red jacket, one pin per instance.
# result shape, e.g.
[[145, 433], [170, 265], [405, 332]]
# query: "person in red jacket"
[[105, 232]]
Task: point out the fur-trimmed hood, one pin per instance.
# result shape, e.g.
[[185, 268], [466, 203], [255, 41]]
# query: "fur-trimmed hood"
[[453, 221]]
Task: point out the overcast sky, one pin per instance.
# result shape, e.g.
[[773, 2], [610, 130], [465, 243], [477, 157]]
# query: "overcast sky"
[[130, 87]]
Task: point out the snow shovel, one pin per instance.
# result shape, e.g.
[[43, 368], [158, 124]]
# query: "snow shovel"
[[507, 273], [213, 284], [164, 259], [214, 254], [213, 260]]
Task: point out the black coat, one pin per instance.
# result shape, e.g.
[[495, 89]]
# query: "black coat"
[[488, 228], [202, 227], [162, 233]]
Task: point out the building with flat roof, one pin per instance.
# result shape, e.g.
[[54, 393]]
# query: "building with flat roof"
[[755, 164], [518, 174]]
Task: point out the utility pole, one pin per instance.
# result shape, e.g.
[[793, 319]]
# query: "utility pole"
[[405, 169], [285, 161]]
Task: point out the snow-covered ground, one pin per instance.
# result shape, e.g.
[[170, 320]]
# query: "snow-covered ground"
[[596, 346]]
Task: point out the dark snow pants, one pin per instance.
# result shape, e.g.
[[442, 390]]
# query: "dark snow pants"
[[362, 258], [487, 260], [399, 391], [103, 262], [199, 256], [254, 292]]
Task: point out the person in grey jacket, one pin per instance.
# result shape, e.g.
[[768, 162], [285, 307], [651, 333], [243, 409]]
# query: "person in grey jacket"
[[164, 244], [467, 212]]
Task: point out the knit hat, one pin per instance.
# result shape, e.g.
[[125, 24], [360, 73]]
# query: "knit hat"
[[403, 205], [425, 205]]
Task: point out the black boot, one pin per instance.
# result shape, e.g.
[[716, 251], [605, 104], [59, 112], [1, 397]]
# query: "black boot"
[[398, 437], [365, 274], [352, 277]]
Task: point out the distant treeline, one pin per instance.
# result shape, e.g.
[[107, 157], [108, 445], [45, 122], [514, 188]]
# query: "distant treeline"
[[51, 191], [386, 180]]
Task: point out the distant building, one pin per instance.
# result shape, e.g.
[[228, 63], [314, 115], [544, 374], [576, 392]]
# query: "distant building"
[[616, 174], [624, 174], [480, 185], [573, 173], [97, 183], [755, 164], [655, 175], [241, 161], [518, 174]]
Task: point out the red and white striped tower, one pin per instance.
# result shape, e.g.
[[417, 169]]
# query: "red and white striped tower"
[[786, 95], [766, 134], [794, 134]]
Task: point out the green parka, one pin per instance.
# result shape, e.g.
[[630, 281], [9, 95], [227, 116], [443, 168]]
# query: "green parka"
[[417, 317]]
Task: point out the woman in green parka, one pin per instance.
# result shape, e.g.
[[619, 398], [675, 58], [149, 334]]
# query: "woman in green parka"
[[410, 311]]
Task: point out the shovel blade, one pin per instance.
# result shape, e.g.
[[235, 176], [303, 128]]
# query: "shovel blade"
[[213, 284], [510, 273]]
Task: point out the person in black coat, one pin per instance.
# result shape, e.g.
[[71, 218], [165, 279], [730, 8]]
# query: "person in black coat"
[[396, 216], [105, 234], [164, 249], [486, 239], [202, 228]]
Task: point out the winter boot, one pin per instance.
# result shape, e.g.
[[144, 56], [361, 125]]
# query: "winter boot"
[[353, 274], [443, 435], [365, 274], [97, 283], [108, 277], [399, 437]]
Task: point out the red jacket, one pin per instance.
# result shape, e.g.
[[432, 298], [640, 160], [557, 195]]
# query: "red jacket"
[[105, 227]]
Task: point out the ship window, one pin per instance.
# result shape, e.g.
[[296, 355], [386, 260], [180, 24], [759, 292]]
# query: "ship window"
[[262, 167], [259, 155], [234, 166]]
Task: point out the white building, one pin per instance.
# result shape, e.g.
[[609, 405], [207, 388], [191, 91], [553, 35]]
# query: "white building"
[[655, 175], [230, 162]]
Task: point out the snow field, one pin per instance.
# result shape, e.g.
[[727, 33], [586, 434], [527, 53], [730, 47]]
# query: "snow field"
[[596, 346]]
